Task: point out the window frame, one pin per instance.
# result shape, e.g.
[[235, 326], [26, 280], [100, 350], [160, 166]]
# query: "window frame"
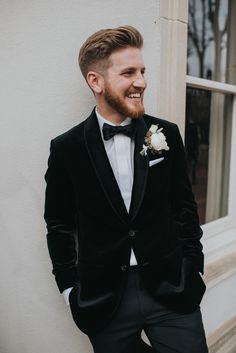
[[220, 233]]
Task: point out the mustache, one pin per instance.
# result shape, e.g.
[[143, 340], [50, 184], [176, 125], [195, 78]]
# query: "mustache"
[[131, 91]]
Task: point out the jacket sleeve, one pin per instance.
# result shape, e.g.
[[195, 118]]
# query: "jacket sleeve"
[[184, 207], [60, 219]]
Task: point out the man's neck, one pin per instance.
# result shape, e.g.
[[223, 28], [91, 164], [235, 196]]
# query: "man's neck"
[[111, 115], [102, 119]]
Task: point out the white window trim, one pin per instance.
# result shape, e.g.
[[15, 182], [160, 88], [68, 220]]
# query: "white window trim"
[[220, 235], [210, 85]]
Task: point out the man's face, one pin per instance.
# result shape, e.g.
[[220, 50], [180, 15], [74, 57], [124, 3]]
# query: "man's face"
[[124, 83]]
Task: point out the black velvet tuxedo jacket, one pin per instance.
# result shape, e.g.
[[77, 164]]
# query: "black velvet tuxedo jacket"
[[90, 232]]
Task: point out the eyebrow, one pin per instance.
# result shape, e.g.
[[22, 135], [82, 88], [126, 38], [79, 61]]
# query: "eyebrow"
[[131, 68]]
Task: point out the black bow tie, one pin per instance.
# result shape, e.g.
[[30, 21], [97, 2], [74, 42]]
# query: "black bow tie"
[[109, 131]]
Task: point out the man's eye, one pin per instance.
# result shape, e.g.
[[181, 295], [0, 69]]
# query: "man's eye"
[[127, 73]]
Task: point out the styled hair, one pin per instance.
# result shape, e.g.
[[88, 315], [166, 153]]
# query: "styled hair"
[[100, 45]]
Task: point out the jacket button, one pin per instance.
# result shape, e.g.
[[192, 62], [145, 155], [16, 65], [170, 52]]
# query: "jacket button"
[[123, 268], [132, 233]]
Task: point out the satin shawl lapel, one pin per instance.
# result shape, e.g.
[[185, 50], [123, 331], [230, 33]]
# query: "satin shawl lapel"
[[140, 169], [103, 168]]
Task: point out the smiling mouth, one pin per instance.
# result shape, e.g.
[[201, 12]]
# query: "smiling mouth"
[[135, 96]]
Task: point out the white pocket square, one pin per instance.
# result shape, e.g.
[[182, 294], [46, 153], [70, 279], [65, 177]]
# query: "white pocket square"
[[155, 161]]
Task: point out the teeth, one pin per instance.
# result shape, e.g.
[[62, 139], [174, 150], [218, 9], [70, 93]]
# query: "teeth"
[[134, 95]]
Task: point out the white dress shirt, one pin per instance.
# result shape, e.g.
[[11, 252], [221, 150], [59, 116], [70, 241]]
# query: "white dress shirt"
[[120, 152]]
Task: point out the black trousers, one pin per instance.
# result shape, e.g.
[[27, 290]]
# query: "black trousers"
[[167, 331]]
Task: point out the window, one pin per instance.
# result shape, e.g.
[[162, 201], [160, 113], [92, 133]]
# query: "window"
[[208, 39], [210, 103], [208, 141]]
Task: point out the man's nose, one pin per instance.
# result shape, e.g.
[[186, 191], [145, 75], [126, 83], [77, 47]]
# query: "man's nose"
[[140, 81]]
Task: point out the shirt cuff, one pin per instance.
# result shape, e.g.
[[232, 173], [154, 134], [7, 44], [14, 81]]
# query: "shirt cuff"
[[66, 294]]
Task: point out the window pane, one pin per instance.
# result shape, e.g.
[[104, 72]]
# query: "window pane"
[[207, 141], [208, 44]]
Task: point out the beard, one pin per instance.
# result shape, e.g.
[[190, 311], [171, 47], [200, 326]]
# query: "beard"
[[120, 105]]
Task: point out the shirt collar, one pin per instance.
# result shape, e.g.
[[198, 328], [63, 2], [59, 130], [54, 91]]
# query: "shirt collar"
[[102, 120]]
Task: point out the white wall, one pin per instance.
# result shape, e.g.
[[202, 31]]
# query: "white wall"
[[219, 304], [42, 95]]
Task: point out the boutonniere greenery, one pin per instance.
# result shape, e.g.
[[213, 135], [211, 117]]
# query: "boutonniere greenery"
[[155, 141]]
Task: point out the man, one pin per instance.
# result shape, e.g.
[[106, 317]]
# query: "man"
[[123, 230]]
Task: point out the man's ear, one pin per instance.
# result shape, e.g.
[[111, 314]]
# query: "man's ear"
[[95, 81]]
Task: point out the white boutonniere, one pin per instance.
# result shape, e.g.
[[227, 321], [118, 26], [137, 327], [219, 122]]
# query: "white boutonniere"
[[155, 141]]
